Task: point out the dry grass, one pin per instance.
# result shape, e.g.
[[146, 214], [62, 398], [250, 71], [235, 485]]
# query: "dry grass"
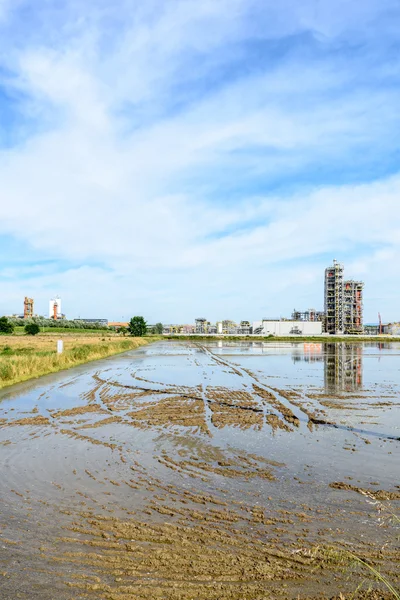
[[23, 358]]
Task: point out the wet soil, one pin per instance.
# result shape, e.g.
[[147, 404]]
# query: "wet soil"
[[211, 472]]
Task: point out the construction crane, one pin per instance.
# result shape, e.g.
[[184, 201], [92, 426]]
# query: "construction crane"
[[380, 323]]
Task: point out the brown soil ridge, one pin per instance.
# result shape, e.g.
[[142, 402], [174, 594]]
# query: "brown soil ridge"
[[80, 410], [376, 494], [285, 411]]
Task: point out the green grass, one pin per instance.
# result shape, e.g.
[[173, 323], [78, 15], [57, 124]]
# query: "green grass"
[[27, 357], [19, 330]]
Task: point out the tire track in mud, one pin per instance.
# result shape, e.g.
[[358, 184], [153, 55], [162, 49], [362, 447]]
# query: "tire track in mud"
[[273, 406], [279, 411], [284, 407], [277, 405]]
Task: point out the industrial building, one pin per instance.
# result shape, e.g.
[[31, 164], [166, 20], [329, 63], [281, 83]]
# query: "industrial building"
[[353, 306], [28, 308], [103, 322], [334, 318], [371, 329], [308, 315], [55, 309], [245, 328], [343, 314], [343, 302], [201, 325], [179, 329], [391, 329], [229, 327], [286, 328]]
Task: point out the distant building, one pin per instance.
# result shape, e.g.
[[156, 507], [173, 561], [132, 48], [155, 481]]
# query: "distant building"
[[392, 329], [178, 329], [308, 315], [55, 309], [371, 329], [229, 327], [343, 302], [353, 306], [287, 328], [201, 325], [187, 329], [245, 328], [28, 308], [334, 318]]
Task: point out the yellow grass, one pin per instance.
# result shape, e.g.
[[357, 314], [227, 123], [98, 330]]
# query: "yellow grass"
[[23, 358]]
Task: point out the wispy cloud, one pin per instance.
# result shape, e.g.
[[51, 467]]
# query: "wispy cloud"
[[197, 157]]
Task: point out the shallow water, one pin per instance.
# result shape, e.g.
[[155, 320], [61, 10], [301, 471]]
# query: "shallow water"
[[267, 425]]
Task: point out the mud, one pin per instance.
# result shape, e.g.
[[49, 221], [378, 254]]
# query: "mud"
[[211, 472], [375, 494]]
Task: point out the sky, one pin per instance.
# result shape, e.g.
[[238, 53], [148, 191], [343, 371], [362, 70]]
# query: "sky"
[[183, 159]]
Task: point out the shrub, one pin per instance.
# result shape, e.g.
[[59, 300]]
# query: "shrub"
[[6, 326], [32, 328]]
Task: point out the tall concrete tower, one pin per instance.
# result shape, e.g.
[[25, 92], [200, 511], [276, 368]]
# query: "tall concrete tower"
[[28, 308], [55, 308], [334, 313]]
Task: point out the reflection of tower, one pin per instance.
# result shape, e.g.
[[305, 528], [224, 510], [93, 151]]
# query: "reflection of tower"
[[55, 308], [28, 308], [343, 367], [308, 352]]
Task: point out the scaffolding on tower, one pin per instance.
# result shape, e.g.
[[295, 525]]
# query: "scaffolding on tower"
[[28, 308]]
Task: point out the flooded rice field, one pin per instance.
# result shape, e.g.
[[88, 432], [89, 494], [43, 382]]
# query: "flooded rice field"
[[204, 471]]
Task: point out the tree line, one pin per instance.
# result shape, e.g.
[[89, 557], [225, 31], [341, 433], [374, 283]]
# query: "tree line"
[[137, 326]]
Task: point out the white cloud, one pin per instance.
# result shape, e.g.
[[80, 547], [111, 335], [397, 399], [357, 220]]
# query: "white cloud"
[[116, 180]]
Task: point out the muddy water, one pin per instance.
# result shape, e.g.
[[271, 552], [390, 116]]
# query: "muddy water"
[[219, 470]]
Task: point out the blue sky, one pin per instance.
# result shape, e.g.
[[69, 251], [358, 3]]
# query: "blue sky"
[[183, 158]]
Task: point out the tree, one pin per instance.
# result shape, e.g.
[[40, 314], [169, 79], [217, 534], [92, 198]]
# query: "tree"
[[137, 326], [123, 330], [6, 326], [32, 328], [158, 328]]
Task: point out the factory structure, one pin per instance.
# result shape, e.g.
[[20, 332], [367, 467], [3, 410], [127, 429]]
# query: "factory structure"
[[342, 314], [55, 309], [28, 308], [343, 302], [55, 313]]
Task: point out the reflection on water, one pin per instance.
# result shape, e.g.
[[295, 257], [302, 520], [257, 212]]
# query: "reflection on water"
[[343, 368], [343, 364]]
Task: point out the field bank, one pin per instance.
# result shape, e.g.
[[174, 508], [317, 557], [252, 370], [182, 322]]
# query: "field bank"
[[27, 357]]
